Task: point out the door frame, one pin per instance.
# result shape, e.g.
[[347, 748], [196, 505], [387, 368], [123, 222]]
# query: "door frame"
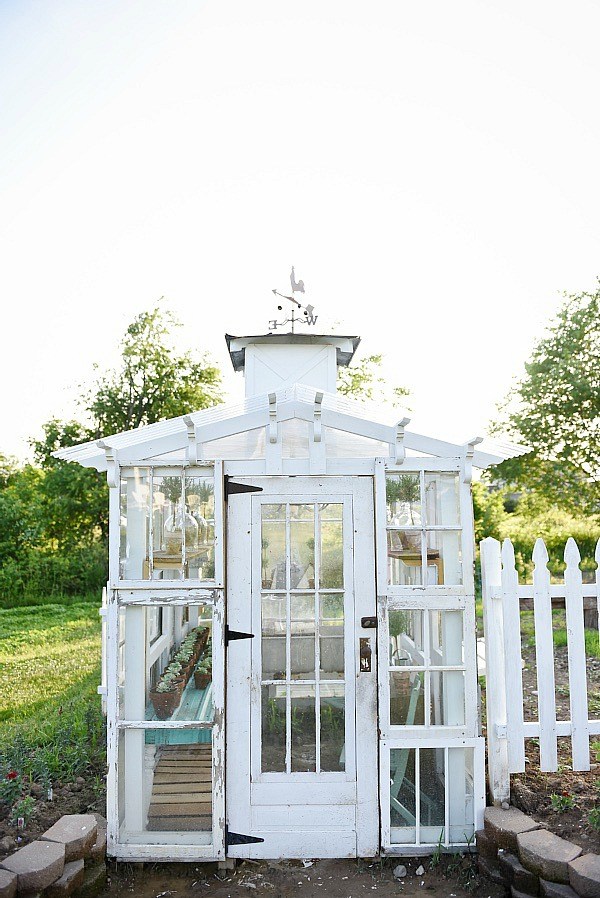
[[240, 686]]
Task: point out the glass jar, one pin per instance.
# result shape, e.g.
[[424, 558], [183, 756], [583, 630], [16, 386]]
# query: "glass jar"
[[173, 531]]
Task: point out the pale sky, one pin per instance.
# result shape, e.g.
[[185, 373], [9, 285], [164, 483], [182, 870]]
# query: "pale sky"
[[430, 168]]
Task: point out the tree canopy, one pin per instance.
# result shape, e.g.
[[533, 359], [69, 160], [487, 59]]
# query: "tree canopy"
[[555, 409]]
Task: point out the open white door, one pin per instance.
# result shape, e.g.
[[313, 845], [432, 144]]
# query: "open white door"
[[301, 766]]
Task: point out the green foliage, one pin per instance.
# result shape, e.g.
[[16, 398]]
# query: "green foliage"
[[363, 380], [154, 381], [488, 511], [555, 409], [561, 803]]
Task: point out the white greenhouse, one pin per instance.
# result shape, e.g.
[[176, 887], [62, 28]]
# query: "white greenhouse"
[[289, 653]]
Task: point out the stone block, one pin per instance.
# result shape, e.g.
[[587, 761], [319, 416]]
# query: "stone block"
[[490, 870], [516, 893], [77, 832], [98, 850], [486, 846], [503, 826], [8, 884], [584, 875], [556, 890], [516, 874], [547, 855], [37, 865], [71, 879]]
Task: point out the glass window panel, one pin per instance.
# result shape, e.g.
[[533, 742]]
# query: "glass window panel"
[[302, 512], [460, 794], [295, 438], [342, 444], [332, 554], [404, 558], [302, 641], [273, 512], [445, 638], [431, 788], [407, 698], [402, 795], [403, 495], [200, 501], [249, 444], [444, 559], [447, 691], [332, 636], [333, 727], [273, 643], [331, 511], [442, 499], [273, 555], [406, 638], [169, 524], [134, 525], [173, 770], [302, 551], [273, 729], [304, 735]]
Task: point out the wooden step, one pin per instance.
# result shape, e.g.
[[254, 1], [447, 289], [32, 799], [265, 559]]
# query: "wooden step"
[[175, 788], [198, 808]]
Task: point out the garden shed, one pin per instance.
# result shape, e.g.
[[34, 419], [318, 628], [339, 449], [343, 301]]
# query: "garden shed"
[[289, 631]]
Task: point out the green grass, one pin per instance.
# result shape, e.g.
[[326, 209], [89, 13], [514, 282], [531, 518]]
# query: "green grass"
[[50, 720]]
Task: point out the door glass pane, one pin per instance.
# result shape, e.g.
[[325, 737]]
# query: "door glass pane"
[[331, 642], [441, 499], [273, 728], [447, 697], [302, 612], [445, 638], [302, 551], [431, 793], [407, 698], [303, 721], [332, 550], [333, 756], [169, 523], [460, 794], [273, 643], [403, 806], [444, 561], [273, 554], [403, 495], [404, 557], [406, 638]]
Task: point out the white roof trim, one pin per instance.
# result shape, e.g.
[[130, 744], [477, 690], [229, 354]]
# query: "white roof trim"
[[134, 446]]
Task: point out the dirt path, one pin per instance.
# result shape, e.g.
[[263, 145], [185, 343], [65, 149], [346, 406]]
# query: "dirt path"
[[452, 877]]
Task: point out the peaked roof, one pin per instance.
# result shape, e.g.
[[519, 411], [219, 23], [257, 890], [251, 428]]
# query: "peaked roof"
[[299, 401]]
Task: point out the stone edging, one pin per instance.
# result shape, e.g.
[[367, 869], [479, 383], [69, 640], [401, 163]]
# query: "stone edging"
[[68, 859], [519, 853]]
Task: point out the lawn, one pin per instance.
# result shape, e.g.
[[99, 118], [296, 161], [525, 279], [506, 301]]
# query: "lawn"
[[50, 719]]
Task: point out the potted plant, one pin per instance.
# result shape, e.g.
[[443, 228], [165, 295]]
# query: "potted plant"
[[202, 675]]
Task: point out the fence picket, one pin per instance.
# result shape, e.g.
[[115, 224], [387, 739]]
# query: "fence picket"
[[512, 659], [597, 557], [580, 744], [544, 655]]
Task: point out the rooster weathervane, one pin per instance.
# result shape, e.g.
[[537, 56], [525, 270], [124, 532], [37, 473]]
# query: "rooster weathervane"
[[308, 316]]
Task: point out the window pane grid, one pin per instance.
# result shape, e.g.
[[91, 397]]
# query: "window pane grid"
[[308, 696]]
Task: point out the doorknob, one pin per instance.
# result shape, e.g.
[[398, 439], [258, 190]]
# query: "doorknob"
[[365, 654]]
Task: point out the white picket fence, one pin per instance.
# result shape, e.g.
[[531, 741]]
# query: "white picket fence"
[[503, 598]]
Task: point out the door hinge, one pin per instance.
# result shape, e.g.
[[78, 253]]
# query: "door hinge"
[[239, 838], [230, 635], [231, 488]]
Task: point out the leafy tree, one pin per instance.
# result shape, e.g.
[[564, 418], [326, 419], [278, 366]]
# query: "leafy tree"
[[153, 381], [555, 409], [364, 381]]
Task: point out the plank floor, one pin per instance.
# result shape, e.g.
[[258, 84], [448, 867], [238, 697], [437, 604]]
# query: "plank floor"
[[181, 789]]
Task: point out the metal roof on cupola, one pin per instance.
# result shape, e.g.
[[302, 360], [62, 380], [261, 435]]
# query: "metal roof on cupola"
[[291, 413]]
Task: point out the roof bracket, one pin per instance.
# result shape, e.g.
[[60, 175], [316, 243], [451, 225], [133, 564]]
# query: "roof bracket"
[[192, 446], [399, 448], [469, 452], [317, 429], [272, 418], [112, 463]]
